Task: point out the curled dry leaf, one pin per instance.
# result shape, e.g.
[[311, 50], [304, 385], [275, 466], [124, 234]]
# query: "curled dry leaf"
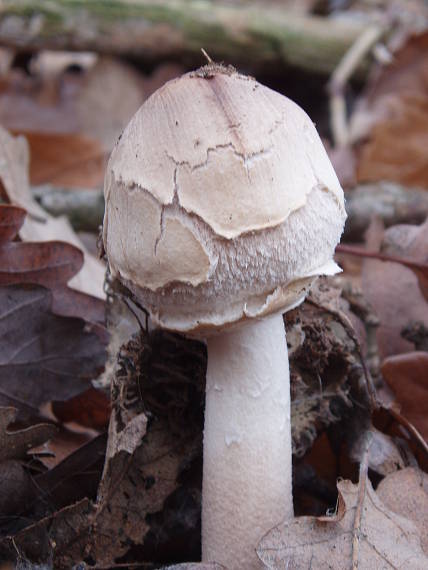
[[43, 356], [40, 226], [406, 494], [407, 375], [16, 444], [363, 533]]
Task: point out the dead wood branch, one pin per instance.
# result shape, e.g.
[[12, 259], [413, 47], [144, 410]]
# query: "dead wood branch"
[[252, 35]]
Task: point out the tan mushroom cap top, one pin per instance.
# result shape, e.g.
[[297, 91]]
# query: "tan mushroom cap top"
[[221, 202]]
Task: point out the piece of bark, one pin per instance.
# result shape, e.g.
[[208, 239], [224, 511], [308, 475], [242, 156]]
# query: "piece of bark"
[[252, 36], [83, 207]]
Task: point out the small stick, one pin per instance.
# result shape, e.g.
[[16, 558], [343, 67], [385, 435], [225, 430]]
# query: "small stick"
[[340, 77], [207, 56]]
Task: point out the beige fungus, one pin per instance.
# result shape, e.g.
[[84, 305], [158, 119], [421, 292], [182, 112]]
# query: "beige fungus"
[[222, 207], [225, 209]]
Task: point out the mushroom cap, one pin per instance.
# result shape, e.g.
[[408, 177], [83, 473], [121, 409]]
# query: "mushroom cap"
[[221, 202]]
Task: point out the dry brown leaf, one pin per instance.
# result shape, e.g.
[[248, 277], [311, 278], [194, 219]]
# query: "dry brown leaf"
[[364, 533], [406, 493], [90, 409], [407, 375], [50, 263], [411, 244], [40, 226], [393, 291], [397, 146], [11, 221], [63, 445], [15, 444], [394, 114], [65, 159]]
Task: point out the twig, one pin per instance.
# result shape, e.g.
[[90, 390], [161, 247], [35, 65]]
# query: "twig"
[[346, 68], [206, 56]]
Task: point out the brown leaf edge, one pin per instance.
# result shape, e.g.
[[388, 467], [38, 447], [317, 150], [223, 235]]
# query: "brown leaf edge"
[[15, 444]]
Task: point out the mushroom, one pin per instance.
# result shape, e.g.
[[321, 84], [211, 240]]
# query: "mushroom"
[[222, 207]]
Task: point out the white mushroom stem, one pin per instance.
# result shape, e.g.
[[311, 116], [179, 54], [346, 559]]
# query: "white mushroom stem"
[[247, 441]]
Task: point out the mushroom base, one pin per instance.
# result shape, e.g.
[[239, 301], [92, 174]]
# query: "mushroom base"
[[247, 441]]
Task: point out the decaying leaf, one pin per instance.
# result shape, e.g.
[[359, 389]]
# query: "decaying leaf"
[[325, 369], [407, 375], [364, 533], [58, 539], [406, 494], [43, 356], [142, 503], [38, 225], [16, 444]]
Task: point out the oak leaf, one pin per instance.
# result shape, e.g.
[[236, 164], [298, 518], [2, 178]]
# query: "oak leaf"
[[49, 263], [43, 356], [39, 225], [363, 533]]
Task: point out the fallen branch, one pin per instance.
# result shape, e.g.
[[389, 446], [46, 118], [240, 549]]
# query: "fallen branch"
[[251, 35]]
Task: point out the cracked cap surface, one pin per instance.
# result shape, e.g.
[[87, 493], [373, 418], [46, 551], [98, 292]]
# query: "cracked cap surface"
[[220, 197]]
